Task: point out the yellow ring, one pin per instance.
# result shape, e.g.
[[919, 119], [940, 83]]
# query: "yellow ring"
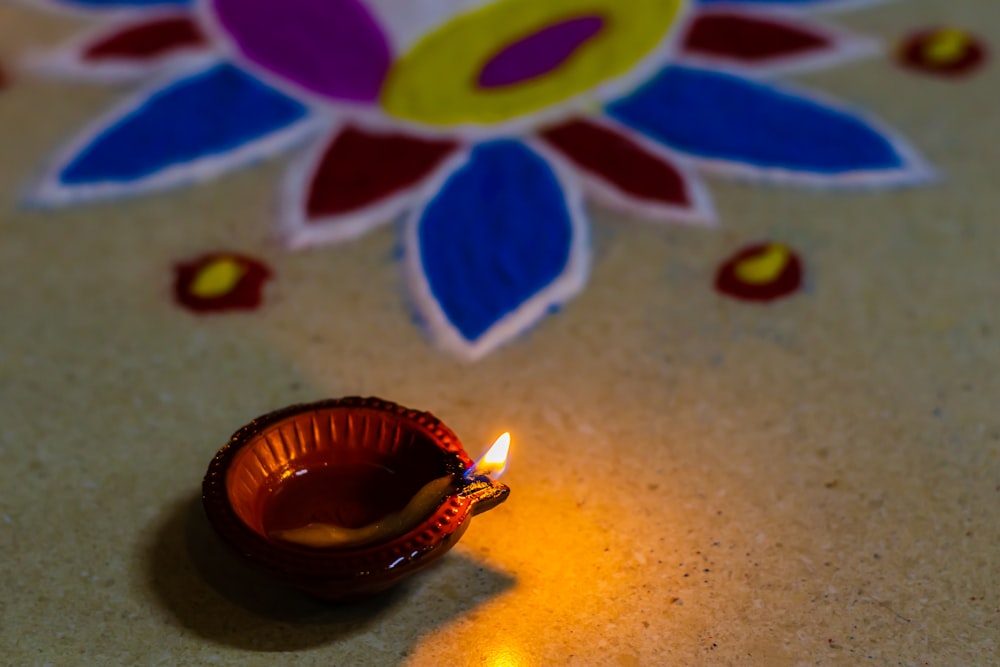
[[436, 82]]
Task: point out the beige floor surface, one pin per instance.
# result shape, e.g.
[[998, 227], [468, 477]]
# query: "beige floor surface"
[[695, 481]]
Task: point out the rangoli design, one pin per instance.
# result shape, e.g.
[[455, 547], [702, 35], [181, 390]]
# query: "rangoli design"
[[482, 124], [761, 272], [944, 52], [220, 282]]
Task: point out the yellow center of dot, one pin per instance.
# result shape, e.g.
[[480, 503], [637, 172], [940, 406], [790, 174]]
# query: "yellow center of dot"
[[946, 46], [765, 267], [218, 278]]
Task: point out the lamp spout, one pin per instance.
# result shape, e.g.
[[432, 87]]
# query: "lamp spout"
[[483, 492]]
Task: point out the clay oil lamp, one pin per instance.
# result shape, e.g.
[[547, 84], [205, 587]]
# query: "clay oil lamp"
[[345, 498]]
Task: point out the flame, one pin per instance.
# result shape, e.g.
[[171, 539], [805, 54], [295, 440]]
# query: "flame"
[[497, 454], [494, 462]]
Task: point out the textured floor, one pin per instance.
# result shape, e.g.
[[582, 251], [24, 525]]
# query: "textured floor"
[[695, 480]]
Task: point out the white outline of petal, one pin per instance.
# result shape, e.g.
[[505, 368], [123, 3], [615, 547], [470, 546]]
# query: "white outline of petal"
[[846, 46], [52, 192], [297, 232], [820, 6], [66, 61], [597, 189], [68, 8], [569, 283]]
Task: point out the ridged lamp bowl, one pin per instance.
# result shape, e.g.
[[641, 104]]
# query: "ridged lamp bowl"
[[361, 465]]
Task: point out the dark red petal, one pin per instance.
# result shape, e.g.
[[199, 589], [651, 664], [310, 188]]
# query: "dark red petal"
[[359, 169], [148, 40], [619, 161], [739, 37]]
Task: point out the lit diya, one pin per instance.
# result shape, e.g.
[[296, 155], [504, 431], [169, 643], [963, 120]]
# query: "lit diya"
[[942, 51], [345, 498]]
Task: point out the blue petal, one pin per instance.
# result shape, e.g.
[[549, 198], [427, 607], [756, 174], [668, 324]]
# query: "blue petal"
[[203, 118], [126, 3], [722, 117], [500, 241]]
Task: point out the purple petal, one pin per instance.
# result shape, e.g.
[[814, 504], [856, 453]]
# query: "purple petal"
[[540, 52], [334, 48]]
